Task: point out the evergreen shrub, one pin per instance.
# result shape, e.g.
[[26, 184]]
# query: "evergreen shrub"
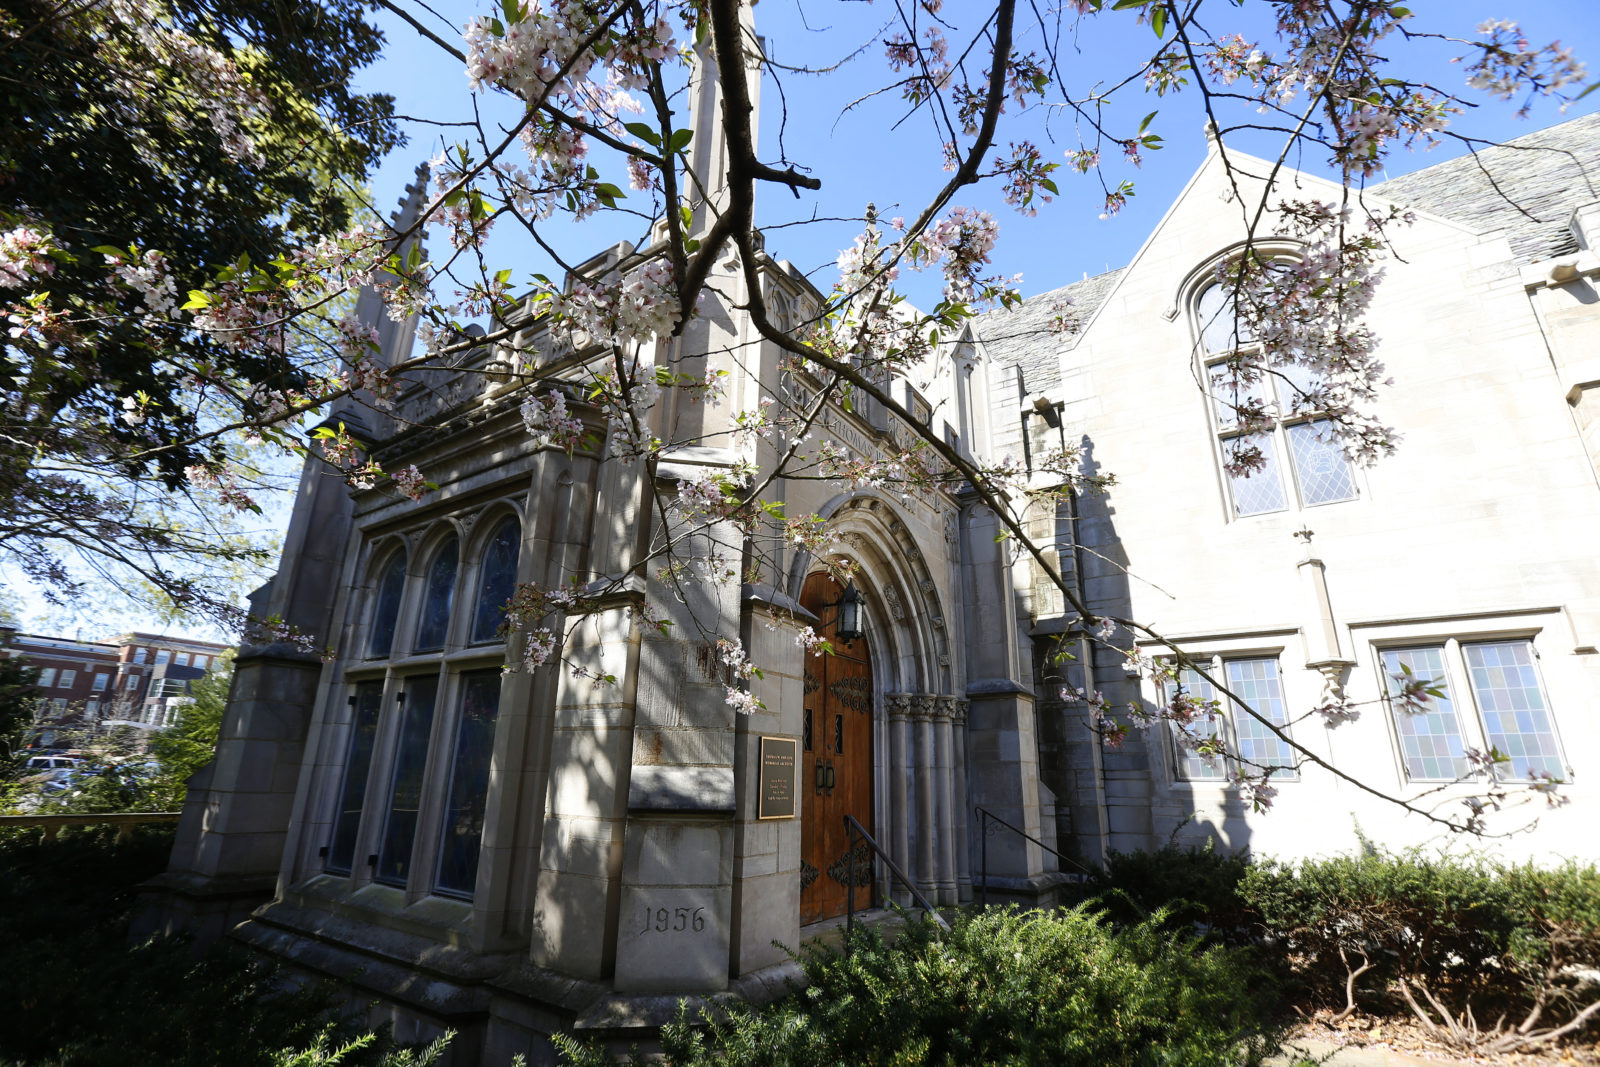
[[1000, 987]]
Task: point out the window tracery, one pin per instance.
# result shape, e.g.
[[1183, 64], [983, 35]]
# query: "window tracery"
[[1276, 451], [411, 792]]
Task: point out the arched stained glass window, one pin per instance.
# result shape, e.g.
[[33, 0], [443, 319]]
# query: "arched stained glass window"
[[438, 597], [497, 579], [391, 585]]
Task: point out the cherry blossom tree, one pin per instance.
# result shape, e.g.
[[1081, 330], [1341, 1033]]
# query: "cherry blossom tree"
[[600, 123]]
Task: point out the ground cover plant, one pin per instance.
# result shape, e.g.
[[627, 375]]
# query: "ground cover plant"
[[1000, 987]]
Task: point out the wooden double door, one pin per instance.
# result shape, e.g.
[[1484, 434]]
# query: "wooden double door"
[[835, 762]]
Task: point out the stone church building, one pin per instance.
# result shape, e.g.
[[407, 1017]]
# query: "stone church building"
[[508, 854]]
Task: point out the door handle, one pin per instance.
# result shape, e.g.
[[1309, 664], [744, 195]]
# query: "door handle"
[[821, 778], [833, 777]]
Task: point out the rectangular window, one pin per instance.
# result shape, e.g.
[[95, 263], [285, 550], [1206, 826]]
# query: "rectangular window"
[[461, 836], [357, 763], [1255, 746], [1256, 682], [1516, 719], [101, 681], [1259, 491], [92, 707], [1430, 738], [138, 655], [67, 679], [405, 784], [181, 660], [133, 682], [1193, 765], [47, 678], [59, 704], [200, 661], [162, 656]]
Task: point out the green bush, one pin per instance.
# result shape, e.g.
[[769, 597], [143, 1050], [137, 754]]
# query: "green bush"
[[1000, 987], [1197, 888], [1500, 939]]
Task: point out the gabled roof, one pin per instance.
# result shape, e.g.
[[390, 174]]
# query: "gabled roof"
[[1033, 334], [1527, 186]]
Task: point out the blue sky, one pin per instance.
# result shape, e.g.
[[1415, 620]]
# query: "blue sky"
[[875, 152], [860, 155]]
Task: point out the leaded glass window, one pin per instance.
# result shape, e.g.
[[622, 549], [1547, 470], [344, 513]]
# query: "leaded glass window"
[[1319, 463], [405, 782], [386, 613], [1515, 718], [1193, 766], [497, 580], [1260, 490], [1274, 415], [1255, 681], [437, 598], [357, 763], [461, 836], [1430, 737]]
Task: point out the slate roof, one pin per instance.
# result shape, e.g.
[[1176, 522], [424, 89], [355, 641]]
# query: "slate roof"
[[1031, 335], [1537, 180]]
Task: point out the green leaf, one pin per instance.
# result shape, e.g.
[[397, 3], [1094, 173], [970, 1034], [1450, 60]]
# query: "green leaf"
[[680, 140], [1158, 21], [110, 250], [512, 10], [644, 133], [1147, 120], [198, 298], [501, 277], [497, 27]]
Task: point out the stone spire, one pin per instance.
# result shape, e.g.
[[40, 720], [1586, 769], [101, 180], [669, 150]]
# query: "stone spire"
[[707, 183], [394, 338]]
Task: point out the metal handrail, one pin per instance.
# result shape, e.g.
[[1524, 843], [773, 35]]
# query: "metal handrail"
[[856, 829], [984, 815], [124, 821]]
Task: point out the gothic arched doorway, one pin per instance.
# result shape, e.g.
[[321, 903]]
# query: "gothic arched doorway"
[[836, 761]]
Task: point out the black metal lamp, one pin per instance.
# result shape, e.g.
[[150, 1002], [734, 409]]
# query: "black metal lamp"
[[851, 625]]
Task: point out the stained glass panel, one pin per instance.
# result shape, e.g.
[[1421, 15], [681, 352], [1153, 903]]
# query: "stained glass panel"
[[1255, 681], [461, 838], [387, 610], [1515, 718], [1430, 739], [437, 598], [1192, 765], [357, 762], [405, 784], [497, 579]]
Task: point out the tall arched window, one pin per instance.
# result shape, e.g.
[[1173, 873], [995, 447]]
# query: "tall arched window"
[[497, 580], [386, 612], [437, 597], [412, 797], [1272, 415]]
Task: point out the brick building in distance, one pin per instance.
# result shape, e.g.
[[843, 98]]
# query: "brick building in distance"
[[134, 679]]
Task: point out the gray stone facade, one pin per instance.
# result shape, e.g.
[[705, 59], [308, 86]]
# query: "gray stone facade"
[[617, 861]]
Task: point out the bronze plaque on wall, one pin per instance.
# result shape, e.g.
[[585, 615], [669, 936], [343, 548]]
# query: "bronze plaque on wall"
[[775, 798]]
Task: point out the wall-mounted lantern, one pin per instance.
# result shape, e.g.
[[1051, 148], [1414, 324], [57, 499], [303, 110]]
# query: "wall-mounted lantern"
[[851, 625]]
